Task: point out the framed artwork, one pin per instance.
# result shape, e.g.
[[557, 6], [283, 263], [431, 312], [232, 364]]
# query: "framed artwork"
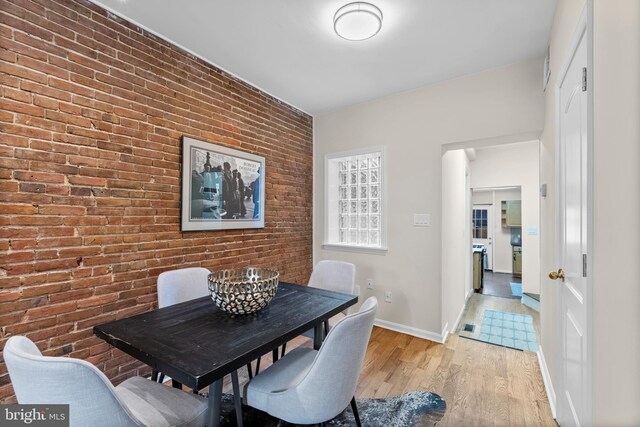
[[222, 188]]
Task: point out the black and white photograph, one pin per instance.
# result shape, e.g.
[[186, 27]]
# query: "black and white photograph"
[[222, 188]]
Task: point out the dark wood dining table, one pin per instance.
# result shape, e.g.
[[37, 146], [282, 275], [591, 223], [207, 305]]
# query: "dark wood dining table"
[[197, 344]]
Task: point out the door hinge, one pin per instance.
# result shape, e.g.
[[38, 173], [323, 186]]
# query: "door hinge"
[[584, 79], [584, 265]]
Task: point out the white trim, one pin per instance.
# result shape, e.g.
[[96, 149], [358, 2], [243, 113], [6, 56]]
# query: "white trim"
[[352, 248], [546, 378], [190, 52], [502, 271], [459, 318], [326, 244], [489, 142], [410, 330]]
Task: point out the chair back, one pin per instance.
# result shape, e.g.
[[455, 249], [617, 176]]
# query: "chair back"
[[332, 379], [39, 379], [182, 285], [335, 276]]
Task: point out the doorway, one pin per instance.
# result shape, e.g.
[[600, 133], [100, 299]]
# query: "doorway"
[[499, 240], [482, 232], [503, 186]]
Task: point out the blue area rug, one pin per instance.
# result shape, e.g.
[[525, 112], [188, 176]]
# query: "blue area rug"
[[508, 330], [516, 289], [418, 408]]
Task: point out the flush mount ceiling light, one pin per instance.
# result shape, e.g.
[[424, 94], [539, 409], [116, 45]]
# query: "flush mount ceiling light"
[[357, 21]]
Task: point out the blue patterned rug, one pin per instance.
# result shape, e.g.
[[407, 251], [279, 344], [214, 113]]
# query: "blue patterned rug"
[[417, 408], [516, 289], [509, 330]]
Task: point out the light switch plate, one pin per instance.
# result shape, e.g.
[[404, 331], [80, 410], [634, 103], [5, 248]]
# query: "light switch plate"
[[422, 220]]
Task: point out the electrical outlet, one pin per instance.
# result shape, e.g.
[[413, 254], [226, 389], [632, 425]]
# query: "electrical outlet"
[[357, 289], [369, 283], [387, 296]]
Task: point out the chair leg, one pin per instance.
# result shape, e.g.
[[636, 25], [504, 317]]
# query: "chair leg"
[[154, 375], [354, 408], [284, 348], [274, 355], [326, 328], [249, 370], [160, 377], [236, 397], [258, 366]]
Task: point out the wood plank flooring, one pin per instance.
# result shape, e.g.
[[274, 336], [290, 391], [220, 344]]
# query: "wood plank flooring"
[[483, 385]]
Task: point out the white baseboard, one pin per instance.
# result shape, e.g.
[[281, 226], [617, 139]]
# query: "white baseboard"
[[502, 271], [546, 378], [446, 331], [410, 330], [466, 300]]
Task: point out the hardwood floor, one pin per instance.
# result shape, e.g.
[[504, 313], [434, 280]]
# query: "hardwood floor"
[[483, 385]]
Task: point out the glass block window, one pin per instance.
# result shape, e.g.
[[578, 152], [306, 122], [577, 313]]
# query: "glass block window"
[[479, 219], [354, 199]]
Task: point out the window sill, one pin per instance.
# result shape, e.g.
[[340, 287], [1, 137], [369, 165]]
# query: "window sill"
[[352, 248]]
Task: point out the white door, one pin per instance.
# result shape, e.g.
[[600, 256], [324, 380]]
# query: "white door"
[[573, 399], [482, 230]]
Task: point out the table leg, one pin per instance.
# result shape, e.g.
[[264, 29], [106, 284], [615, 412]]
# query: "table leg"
[[237, 398], [215, 401]]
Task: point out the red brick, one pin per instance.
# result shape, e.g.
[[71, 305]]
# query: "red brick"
[[18, 209], [61, 264], [38, 177], [88, 180], [33, 291], [9, 296], [51, 310], [16, 257], [20, 107], [22, 73], [62, 210], [90, 155]]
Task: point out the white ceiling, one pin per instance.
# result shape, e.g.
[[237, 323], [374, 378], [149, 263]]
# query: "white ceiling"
[[288, 48]]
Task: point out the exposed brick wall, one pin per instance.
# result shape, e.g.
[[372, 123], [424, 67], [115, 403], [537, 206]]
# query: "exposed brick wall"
[[91, 115]]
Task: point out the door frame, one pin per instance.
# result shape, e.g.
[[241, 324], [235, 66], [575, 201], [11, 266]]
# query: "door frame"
[[584, 27], [490, 231]]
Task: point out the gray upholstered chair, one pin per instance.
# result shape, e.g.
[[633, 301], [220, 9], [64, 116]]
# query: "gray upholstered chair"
[[310, 386], [177, 286], [182, 285], [93, 400], [338, 276], [185, 284]]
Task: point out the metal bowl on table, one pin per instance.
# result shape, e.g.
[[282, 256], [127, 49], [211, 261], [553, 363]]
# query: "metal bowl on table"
[[243, 290]]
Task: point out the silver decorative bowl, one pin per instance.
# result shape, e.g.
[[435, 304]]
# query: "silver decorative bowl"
[[243, 290]]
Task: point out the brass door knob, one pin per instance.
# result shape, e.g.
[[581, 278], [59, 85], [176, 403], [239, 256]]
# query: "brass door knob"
[[555, 275]]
